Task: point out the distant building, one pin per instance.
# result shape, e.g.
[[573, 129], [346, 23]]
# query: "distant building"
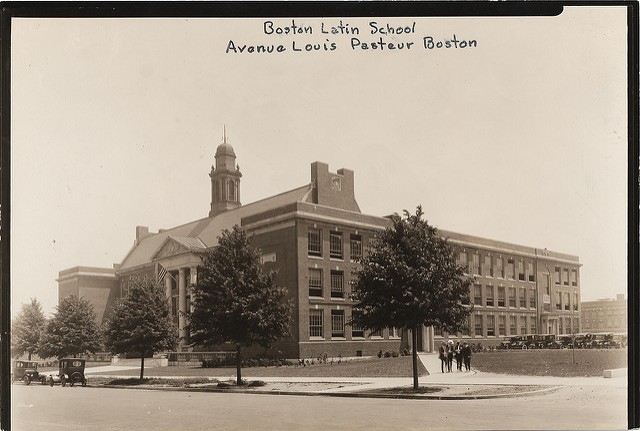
[[100, 286], [311, 236], [518, 290], [605, 315]]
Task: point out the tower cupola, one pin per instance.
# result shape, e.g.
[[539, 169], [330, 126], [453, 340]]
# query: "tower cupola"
[[225, 179]]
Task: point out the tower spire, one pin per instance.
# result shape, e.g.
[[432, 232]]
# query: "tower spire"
[[225, 178]]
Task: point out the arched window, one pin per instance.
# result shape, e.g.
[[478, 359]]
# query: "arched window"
[[217, 191], [232, 191]]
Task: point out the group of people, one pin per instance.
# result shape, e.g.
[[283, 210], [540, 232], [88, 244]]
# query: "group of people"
[[461, 352]]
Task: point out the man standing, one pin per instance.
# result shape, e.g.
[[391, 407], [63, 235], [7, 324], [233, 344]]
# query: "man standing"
[[450, 352], [466, 356], [443, 355]]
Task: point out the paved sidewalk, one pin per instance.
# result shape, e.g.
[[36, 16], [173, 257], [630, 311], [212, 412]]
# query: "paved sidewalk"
[[432, 364], [434, 376]]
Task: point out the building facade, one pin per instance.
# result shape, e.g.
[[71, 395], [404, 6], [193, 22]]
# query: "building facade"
[[605, 315], [312, 235], [100, 286], [518, 290]]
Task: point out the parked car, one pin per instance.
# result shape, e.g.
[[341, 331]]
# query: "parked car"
[[621, 339], [529, 341], [505, 344], [26, 371], [71, 370], [566, 341], [517, 342], [584, 341], [604, 341]]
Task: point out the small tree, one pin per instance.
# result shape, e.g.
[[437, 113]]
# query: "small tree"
[[410, 278], [72, 330], [140, 322], [27, 329], [235, 300]]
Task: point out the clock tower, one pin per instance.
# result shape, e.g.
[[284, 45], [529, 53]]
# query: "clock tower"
[[225, 179]]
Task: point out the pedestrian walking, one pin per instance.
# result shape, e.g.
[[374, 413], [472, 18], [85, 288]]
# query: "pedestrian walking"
[[443, 355], [466, 356]]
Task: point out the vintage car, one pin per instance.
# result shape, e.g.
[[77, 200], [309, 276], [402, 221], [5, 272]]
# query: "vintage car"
[[584, 341], [529, 342], [26, 371], [620, 339], [70, 370], [517, 342], [605, 341], [504, 345], [547, 341], [566, 341]]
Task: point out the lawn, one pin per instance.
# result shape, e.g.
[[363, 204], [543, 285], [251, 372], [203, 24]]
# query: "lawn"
[[375, 367], [558, 363]]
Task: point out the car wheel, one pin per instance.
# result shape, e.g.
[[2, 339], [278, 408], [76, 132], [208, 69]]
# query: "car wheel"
[[43, 380], [51, 381], [26, 380], [63, 382], [84, 382]]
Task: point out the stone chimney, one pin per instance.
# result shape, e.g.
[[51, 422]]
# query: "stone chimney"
[[141, 233]]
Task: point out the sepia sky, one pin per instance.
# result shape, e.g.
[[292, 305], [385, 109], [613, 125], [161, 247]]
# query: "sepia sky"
[[114, 123]]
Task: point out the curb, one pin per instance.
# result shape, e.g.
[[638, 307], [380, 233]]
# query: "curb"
[[339, 394]]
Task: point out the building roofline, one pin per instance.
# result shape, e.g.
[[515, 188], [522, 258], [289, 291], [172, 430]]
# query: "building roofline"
[[86, 271]]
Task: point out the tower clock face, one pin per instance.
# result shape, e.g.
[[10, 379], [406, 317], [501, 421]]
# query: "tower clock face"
[[336, 184]]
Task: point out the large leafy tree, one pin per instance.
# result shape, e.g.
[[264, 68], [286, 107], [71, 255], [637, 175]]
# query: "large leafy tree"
[[410, 278], [72, 330], [140, 322], [235, 300], [27, 329]]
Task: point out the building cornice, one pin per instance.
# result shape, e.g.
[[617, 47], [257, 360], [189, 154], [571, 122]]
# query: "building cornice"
[[494, 249], [67, 277]]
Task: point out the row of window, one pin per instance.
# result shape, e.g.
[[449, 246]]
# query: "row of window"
[[564, 277], [338, 325], [485, 326], [599, 323], [484, 296], [494, 266], [336, 246], [563, 301], [501, 301], [589, 313], [316, 285]]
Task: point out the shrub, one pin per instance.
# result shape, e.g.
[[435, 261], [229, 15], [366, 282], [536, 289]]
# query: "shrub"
[[246, 363], [380, 354], [256, 383]]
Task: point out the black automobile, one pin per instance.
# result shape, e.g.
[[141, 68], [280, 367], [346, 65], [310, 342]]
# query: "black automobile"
[[505, 344], [620, 340], [529, 342], [26, 371], [566, 341], [517, 342], [584, 341], [70, 370]]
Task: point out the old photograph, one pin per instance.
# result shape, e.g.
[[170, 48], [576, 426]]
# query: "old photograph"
[[383, 222]]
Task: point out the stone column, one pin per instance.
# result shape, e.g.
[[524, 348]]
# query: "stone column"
[[168, 286], [194, 279], [182, 305]]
